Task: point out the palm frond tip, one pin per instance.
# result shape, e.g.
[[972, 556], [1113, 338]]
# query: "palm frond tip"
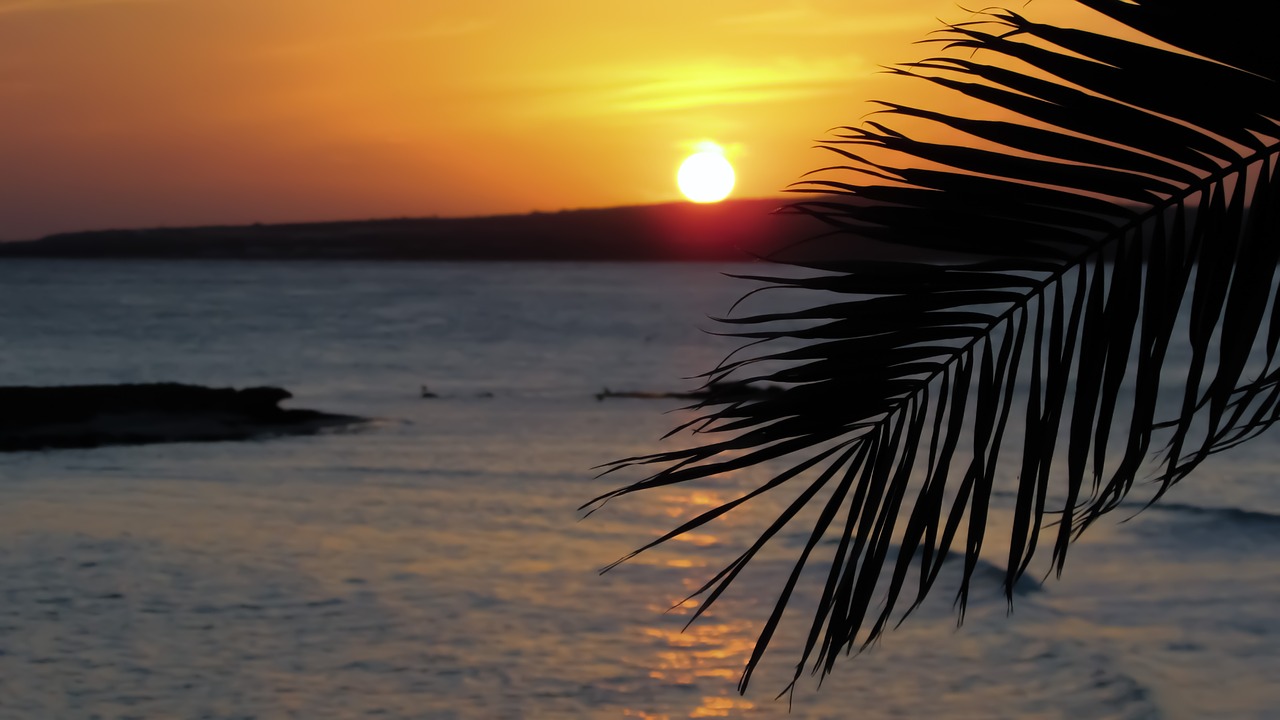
[[1137, 187]]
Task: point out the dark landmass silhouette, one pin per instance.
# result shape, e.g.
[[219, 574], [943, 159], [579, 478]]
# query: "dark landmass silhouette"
[[85, 416], [733, 230]]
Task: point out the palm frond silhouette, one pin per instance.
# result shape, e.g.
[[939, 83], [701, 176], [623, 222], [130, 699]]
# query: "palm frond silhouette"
[[1046, 263]]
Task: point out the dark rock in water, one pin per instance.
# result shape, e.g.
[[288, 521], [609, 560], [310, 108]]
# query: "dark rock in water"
[[713, 393], [80, 416]]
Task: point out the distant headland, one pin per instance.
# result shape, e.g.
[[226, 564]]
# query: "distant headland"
[[727, 231]]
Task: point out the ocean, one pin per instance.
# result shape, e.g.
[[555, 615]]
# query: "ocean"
[[433, 563]]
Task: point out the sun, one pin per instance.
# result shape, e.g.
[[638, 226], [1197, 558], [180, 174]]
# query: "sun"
[[706, 176]]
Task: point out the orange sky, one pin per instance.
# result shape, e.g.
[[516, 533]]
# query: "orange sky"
[[129, 113]]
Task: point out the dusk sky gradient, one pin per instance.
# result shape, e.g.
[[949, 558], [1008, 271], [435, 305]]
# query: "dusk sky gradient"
[[141, 113]]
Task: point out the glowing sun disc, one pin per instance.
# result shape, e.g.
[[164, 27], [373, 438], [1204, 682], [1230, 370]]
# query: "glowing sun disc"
[[705, 177]]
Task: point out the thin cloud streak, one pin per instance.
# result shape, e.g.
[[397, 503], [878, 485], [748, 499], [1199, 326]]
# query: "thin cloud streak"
[[636, 89]]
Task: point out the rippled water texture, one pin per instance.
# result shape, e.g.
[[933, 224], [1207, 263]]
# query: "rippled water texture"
[[433, 564]]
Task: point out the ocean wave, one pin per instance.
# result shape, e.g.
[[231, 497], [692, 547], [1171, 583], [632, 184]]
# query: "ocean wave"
[[1204, 531], [1236, 517], [986, 584]]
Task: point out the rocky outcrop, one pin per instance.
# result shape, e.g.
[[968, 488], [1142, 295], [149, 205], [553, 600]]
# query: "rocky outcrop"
[[713, 393], [81, 416]]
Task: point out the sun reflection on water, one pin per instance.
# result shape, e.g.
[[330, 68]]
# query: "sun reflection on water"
[[685, 505], [698, 539], [679, 505], [720, 707], [708, 656], [645, 715]]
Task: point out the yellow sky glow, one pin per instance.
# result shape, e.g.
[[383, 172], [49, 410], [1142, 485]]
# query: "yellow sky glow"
[[127, 113]]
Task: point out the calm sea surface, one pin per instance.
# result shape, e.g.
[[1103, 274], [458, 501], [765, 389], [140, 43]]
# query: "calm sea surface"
[[433, 565]]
